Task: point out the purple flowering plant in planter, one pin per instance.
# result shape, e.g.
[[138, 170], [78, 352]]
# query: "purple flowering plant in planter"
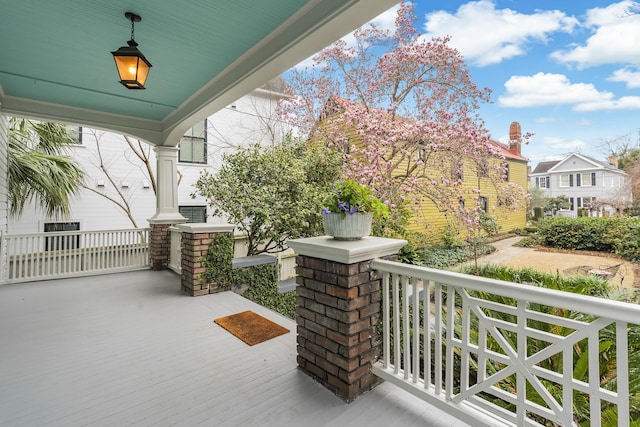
[[349, 197]]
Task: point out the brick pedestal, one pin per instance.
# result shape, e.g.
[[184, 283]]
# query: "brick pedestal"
[[339, 303], [160, 246], [195, 244]]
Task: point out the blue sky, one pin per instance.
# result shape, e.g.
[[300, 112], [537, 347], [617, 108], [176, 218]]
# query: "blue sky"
[[568, 70]]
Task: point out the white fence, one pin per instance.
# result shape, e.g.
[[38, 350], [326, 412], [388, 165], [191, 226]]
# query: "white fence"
[[30, 257], [498, 353]]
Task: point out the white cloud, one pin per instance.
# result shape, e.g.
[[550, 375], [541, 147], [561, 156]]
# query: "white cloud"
[[615, 39], [536, 158], [549, 89], [628, 75], [623, 103], [564, 144], [488, 36], [544, 89]]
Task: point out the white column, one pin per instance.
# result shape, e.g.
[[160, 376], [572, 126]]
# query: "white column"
[[167, 192]]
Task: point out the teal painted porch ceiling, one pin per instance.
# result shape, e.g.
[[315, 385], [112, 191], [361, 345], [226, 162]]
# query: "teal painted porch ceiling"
[[58, 52]]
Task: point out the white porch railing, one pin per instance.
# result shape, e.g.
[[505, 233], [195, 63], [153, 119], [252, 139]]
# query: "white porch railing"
[[175, 250], [41, 256], [498, 353]]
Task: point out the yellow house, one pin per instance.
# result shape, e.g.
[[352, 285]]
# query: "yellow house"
[[497, 185], [504, 198]]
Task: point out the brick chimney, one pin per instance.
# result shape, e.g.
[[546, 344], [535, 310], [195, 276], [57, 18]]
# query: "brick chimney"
[[613, 160], [515, 138]]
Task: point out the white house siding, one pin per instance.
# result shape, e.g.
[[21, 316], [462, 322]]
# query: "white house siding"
[[238, 125]]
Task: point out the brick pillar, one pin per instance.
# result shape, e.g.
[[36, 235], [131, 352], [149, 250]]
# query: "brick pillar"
[[160, 246], [195, 244], [338, 306]]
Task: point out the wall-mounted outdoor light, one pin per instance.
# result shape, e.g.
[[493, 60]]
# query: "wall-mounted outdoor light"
[[133, 67]]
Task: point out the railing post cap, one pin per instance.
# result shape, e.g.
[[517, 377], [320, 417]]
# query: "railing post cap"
[[205, 228], [346, 251]]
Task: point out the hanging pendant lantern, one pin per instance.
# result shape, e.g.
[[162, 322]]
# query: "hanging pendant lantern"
[[133, 67]]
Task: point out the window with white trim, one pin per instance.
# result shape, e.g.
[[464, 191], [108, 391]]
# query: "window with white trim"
[[565, 180], [543, 181], [197, 214], [585, 180], [193, 145]]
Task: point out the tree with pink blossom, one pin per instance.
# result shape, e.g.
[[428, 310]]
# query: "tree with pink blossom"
[[404, 111]]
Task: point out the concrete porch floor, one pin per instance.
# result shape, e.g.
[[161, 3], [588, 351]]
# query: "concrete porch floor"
[[131, 349]]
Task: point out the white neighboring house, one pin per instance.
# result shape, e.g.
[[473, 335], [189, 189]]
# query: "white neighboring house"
[[250, 120], [600, 188]]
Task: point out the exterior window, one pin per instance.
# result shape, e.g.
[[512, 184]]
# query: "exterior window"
[[483, 169], [579, 202], [193, 146], [571, 201], [593, 179], [197, 214], [483, 203], [505, 171], [585, 179], [76, 134], [457, 173], [57, 243], [566, 180], [542, 183]]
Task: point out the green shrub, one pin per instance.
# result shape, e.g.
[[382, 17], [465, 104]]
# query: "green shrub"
[[530, 241], [626, 240], [489, 224], [585, 285], [410, 254], [614, 235], [578, 233], [524, 231], [267, 295], [261, 281], [450, 236], [438, 256]]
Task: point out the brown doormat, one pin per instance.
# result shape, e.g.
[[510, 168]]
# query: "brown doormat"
[[251, 327]]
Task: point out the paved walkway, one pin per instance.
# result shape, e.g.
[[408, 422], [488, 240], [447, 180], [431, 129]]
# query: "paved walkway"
[[505, 251]]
